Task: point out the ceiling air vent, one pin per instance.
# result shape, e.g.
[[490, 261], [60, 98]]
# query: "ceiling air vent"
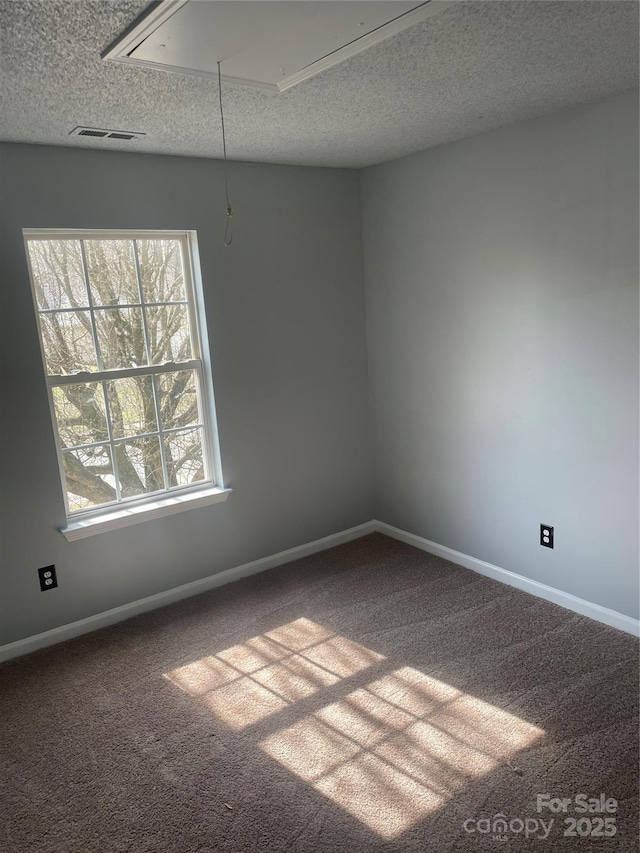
[[101, 133]]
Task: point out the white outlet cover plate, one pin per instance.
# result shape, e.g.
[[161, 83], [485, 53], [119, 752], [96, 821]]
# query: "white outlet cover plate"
[[273, 44]]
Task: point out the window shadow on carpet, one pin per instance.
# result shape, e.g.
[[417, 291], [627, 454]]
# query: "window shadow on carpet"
[[389, 752]]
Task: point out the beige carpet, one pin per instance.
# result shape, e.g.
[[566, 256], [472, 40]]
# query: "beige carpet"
[[369, 698]]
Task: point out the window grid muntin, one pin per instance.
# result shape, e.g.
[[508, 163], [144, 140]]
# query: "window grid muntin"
[[145, 328], [82, 376], [156, 405], [97, 308], [154, 390], [94, 330], [114, 458], [125, 438], [195, 364]]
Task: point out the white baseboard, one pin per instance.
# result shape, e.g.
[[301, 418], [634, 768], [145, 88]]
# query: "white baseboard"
[[549, 593], [126, 611]]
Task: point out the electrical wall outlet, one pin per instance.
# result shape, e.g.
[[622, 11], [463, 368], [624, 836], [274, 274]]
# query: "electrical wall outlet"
[[48, 580], [546, 536]]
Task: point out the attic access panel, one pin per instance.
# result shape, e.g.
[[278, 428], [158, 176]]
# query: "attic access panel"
[[265, 43]]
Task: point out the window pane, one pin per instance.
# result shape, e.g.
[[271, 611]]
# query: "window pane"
[[58, 274], [111, 268], [177, 399], [161, 270], [183, 452], [121, 337], [89, 477], [68, 342], [139, 466], [131, 406], [80, 414], [168, 334]]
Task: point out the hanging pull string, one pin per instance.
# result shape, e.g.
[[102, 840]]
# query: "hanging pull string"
[[228, 230]]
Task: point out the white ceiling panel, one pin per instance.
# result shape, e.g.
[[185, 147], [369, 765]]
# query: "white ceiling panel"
[[265, 43]]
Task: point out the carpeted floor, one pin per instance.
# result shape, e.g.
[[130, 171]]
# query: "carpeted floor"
[[369, 698]]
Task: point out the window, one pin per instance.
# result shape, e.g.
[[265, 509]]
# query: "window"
[[123, 336]]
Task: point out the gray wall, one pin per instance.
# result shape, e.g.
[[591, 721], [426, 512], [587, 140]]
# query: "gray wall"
[[502, 311], [285, 309], [502, 307]]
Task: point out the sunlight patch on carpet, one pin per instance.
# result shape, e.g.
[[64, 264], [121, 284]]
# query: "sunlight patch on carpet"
[[394, 751], [388, 753], [252, 680]]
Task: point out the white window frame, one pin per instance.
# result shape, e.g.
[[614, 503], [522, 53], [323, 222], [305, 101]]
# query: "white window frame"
[[132, 510]]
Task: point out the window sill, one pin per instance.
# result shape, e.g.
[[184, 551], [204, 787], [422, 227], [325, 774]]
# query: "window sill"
[[126, 516]]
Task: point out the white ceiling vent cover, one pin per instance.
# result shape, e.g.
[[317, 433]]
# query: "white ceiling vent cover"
[[273, 44], [101, 133]]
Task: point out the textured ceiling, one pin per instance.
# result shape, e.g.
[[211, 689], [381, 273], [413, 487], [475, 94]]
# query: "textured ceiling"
[[475, 66]]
